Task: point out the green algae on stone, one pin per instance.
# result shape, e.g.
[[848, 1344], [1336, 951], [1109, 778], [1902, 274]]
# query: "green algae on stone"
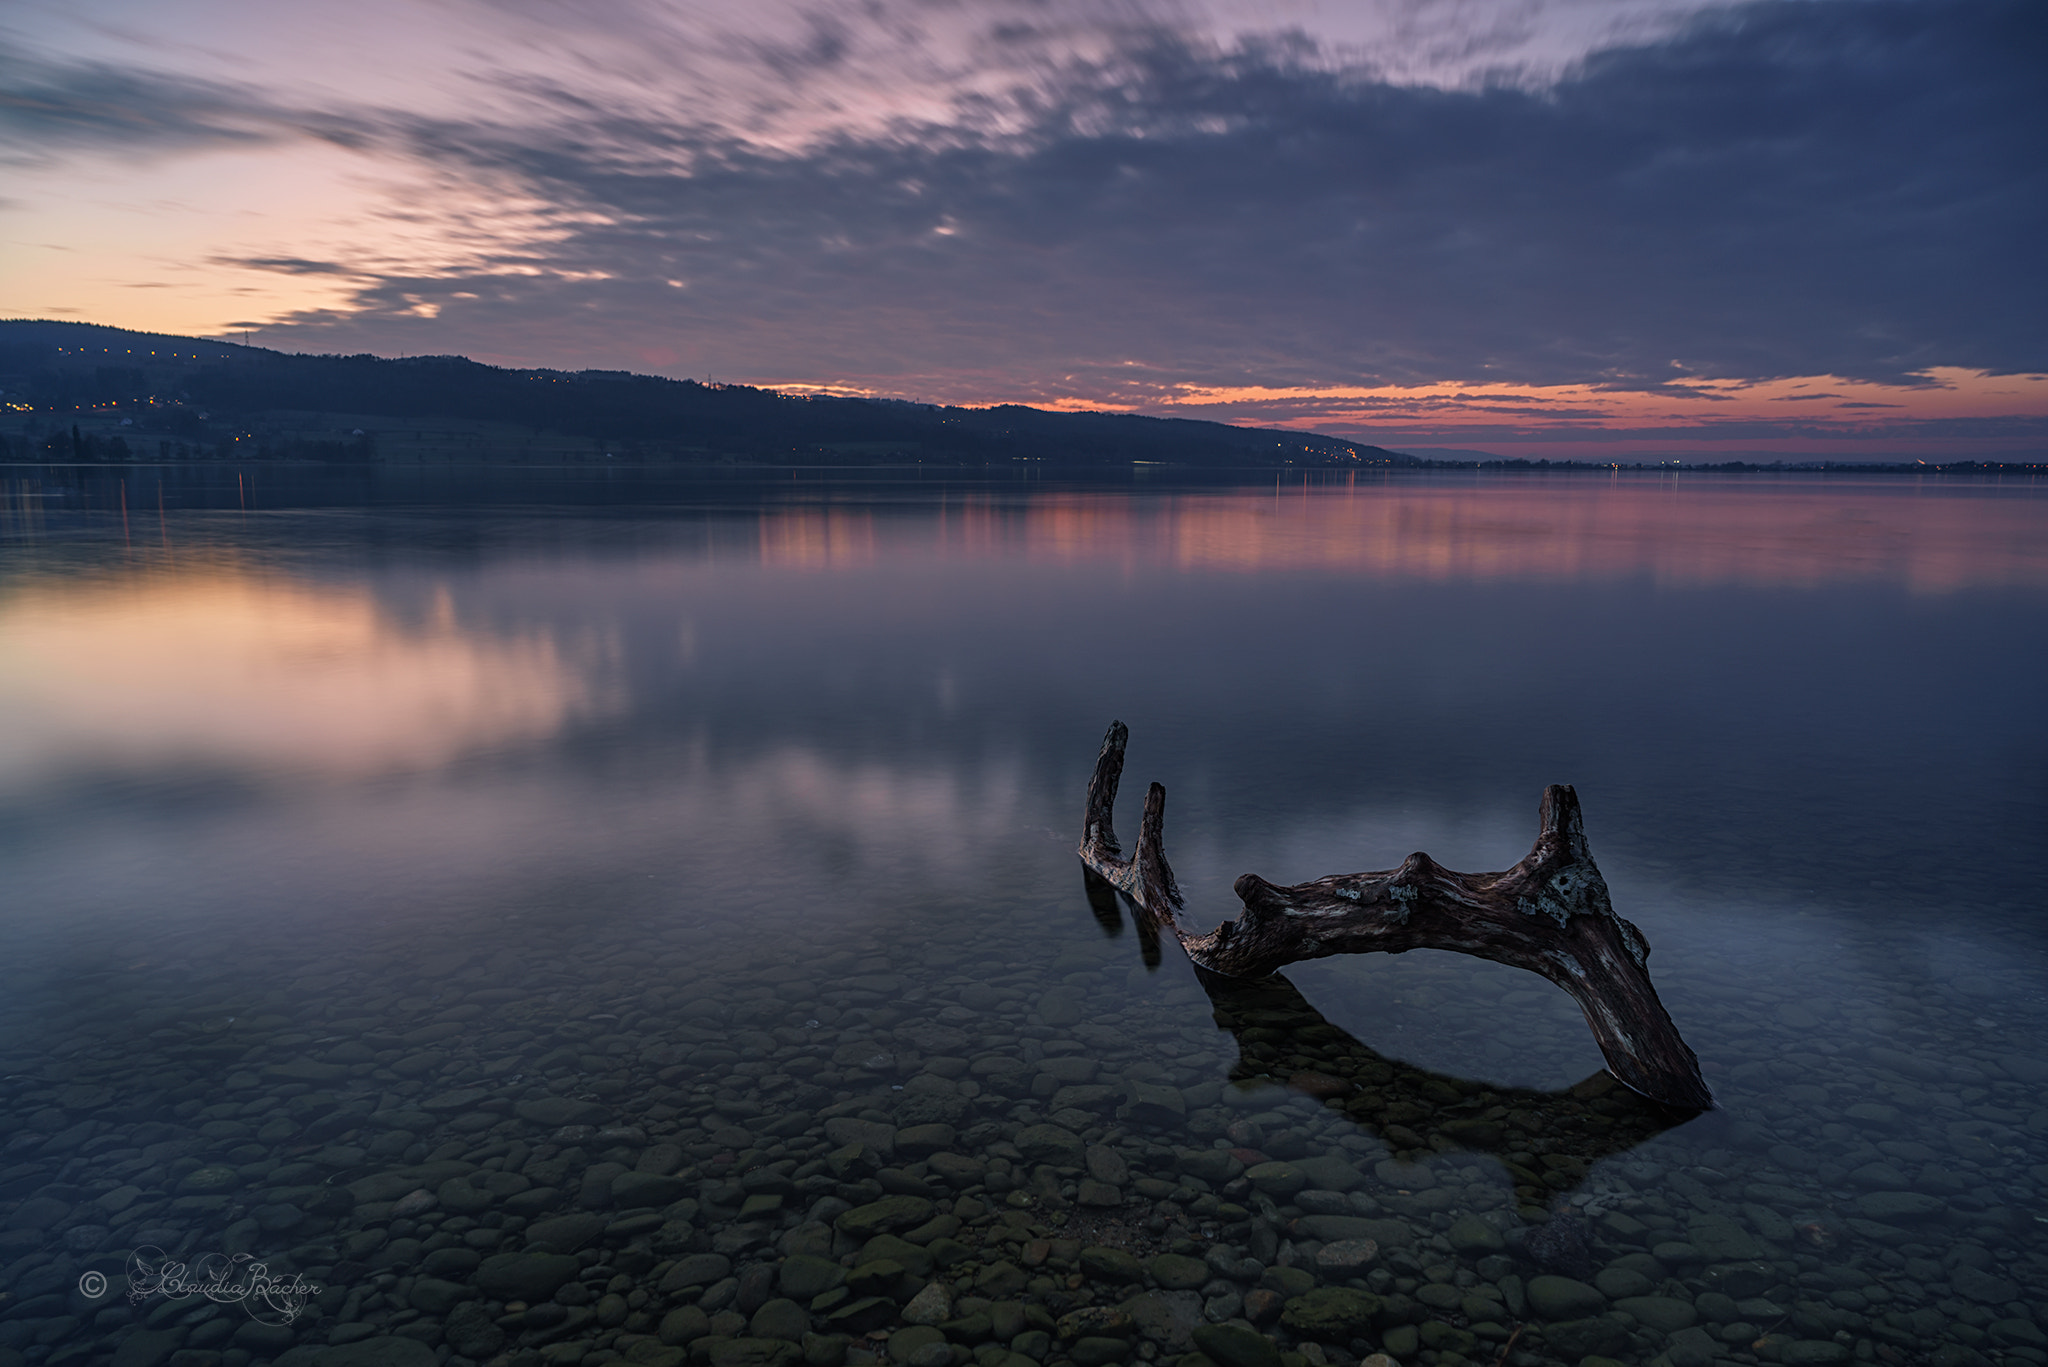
[[1332, 1312], [885, 1216]]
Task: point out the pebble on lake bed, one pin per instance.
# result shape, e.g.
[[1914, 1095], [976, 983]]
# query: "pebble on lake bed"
[[711, 1176]]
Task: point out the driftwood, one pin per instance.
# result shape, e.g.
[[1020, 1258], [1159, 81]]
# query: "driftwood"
[[1549, 914]]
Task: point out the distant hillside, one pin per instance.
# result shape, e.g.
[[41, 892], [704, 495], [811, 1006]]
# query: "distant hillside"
[[76, 391]]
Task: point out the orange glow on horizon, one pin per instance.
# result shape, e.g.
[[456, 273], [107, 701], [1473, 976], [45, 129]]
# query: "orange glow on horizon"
[[1818, 416]]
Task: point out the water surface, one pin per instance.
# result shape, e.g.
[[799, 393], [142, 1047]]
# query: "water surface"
[[495, 836]]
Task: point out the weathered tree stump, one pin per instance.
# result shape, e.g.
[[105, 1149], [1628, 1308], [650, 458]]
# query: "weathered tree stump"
[[1549, 914]]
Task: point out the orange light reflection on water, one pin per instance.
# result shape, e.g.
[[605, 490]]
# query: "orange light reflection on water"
[[244, 668], [1932, 539]]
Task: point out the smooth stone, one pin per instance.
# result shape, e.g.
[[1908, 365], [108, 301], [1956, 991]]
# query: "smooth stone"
[[906, 1343], [1060, 1007], [885, 1216], [683, 1325], [1280, 1180], [933, 1305], [1985, 1287], [1720, 1239], [825, 1350], [1665, 1314], [1385, 1233], [1100, 1195], [1236, 1345], [780, 1319], [1176, 1272], [753, 1352], [1618, 1282], [920, 1141], [957, 1169], [564, 1233], [1051, 1144], [1403, 1176], [2018, 1333], [1321, 1086], [869, 1134], [699, 1269], [1561, 1298], [1107, 1165], [969, 1329], [661, 1159], [1155, 1103], [1694, 1347], [1114, 1265], [1878, 1177], [1346, 1257], [383, 1351], [433, 1296], [1166, 1317], [1327, 1172], [526, 1276], [918, 1260], [1069, 1070], [1289, 1281], [875, 1277], [1448, 1338], [631, 1190], [1331, 1312], [1001, 1280], [1098, 1352], [1096, 1320], [471, 1332], [560, 1110], [1740, 1279], [861, 1315], [1891, 1207], [1470, 1234], [1575, 1339], [803, 1276], [1211, 1165], [1812, 1353], [146, 1348], [1086, 1097]]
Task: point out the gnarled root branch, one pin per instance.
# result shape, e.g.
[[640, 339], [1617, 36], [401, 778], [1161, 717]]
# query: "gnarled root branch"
[[1549, 914]]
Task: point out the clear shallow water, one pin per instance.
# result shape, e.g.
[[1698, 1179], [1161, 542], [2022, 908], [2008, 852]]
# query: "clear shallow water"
[[353, 826]]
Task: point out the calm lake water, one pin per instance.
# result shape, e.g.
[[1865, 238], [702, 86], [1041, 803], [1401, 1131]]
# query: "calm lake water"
[[606, 917]]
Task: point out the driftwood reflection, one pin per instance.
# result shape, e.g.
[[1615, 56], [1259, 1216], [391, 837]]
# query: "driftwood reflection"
[[1281, 1038]]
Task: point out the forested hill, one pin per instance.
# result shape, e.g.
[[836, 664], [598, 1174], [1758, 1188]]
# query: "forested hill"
[[78, 391]]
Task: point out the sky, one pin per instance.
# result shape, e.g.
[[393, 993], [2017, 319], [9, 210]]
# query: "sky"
[[1593, 229]]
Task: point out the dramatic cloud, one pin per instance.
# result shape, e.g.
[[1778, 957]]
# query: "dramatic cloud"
[[1058, 208]]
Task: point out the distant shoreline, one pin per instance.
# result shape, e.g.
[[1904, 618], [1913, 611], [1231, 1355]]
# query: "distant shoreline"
[[78, 394], [1050, 466]]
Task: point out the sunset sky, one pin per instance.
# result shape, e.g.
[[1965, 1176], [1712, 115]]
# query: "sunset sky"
[[1586, 228]]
